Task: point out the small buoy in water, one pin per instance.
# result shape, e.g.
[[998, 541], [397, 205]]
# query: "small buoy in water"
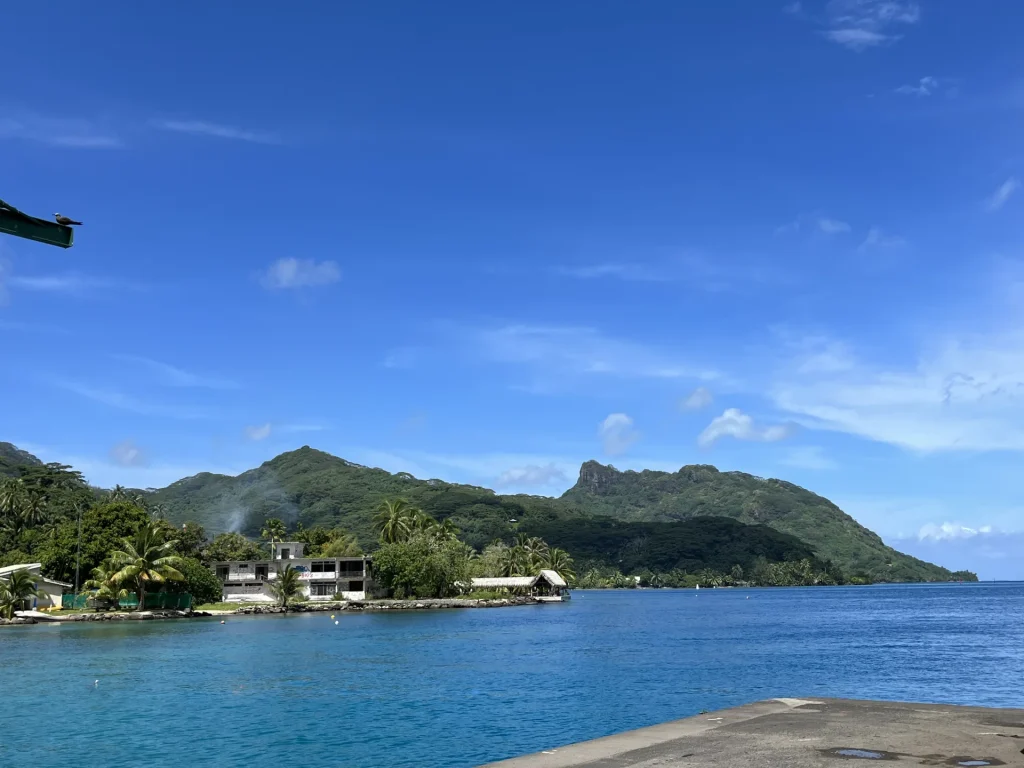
[[335, 623], [332, 615], [95, 682], [748, 597], [222, 621]]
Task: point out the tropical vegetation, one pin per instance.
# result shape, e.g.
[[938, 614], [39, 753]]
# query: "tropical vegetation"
[[15, 591]]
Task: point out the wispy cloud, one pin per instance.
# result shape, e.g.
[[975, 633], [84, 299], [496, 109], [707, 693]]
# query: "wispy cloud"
[[70, 283], [736, 424], [257, 433], [617, 433], [861, 24], [807, 457], [556, 350], [177, 377], [115, 399], [532, 476], [300, 273], [876, 238], [811, 223], [1001, 195], [216, 130], [964, 392], [68, 133], [128, 454], [926, 86], [622, 271], [701, 397]]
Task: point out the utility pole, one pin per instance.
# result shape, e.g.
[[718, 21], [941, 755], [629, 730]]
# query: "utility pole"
[[14, 222], [78, 557]]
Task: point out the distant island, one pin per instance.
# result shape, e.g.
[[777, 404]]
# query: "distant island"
[[697, 526]]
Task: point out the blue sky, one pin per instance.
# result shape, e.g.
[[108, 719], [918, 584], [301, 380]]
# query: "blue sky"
[[487, 243]]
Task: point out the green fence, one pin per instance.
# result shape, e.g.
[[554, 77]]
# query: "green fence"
[[154, 602]]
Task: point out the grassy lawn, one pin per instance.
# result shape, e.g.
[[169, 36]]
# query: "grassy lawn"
[[217, 607]]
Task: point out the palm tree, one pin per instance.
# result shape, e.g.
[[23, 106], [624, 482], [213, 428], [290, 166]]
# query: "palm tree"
[[559, 561], [15, 591], [12, 497], [396, 520], [33, 510], [103, 581], [286, 585], [147, 559], [342, 545], [273, 531], [446, 530], [515, 561]]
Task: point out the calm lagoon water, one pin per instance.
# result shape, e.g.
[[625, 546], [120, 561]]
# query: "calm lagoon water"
[[459, 688]]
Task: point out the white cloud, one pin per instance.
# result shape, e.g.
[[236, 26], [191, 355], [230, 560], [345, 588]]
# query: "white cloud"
[[964, 393], [622, 271], [557, 351], [1001, 195], [69, 283], [617, 433], [833, 226], [257, 433], [115, 399], [734, 423], [57, 132], [948, 531], [876, 238], [532, 475], [862, 24], [814, 223], [216, 130], [701, 397], [926, 86], [300, 273], [178, 377], [128, 454], [807, 457]]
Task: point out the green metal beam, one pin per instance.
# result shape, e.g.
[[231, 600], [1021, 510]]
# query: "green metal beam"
[[14, 222]]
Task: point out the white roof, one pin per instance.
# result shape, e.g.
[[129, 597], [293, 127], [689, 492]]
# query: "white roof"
[[505, 581], [554, 577], [7, 570]]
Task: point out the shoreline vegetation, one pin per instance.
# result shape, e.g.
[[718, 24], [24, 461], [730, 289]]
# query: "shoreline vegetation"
[[119, 547]]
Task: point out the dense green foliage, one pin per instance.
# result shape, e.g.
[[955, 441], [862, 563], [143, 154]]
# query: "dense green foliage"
[[15, 590], [287, 586], [702, 490], [611, 521], [315, 488], [708, 542]]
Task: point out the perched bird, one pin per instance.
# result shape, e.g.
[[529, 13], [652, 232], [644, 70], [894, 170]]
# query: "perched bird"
[[65, 221]]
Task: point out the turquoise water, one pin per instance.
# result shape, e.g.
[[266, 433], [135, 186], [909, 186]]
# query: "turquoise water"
[[459, 688]]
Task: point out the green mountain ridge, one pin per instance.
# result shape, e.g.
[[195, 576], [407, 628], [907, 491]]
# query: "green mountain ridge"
[[316, 488]]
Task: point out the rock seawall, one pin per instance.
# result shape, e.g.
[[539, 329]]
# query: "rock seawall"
[[388, 605]]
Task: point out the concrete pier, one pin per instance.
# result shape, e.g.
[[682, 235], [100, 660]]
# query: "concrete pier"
[[806, 733]]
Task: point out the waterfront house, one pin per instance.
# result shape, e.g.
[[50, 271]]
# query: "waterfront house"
[[50, 590], [546, 585], [322, 577]]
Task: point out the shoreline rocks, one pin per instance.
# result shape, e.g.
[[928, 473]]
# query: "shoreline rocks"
[[387, 605]]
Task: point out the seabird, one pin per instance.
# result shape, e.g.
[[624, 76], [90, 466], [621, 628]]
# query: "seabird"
[[65, 221]]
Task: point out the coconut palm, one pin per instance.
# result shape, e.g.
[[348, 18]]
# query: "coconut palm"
[[15, 590], [396, 519], [12, 497], [273, 531], [286, 586], [149, 559], [559, 561], [515, 561], [103, 581], [342, 545]]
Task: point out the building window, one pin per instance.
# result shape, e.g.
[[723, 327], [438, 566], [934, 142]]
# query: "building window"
[[222, 572], [352, 568], [321, 590], [355, 586], [322, 566], [286, 554], [242, 567]]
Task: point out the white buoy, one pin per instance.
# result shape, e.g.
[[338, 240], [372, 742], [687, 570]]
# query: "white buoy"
[[95, 682], [335, 623]]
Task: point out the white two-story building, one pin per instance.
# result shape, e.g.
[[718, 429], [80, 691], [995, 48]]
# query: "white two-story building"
[[322, 577]]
